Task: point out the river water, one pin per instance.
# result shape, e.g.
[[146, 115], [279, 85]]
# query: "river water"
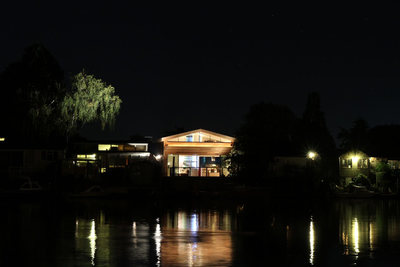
[[202, 233]]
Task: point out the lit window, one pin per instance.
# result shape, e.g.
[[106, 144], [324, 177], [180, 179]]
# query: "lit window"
[[362, 164], [103, 170], [103, 147], [2, 139], [347, 163], [189, 138], [86, 156]]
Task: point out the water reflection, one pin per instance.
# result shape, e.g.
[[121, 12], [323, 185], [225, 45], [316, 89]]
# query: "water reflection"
[[312, 241], [157, 237], [357, 228], [92, 239], [341, 233], [196, 238]]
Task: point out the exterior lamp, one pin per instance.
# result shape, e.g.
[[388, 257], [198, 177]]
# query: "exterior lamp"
[[355, 158], [312, 155], [158, 157]]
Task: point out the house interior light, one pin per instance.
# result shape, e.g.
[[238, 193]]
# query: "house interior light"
[[2, 139]]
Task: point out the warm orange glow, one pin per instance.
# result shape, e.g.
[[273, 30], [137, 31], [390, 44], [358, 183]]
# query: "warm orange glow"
[[197, 144]]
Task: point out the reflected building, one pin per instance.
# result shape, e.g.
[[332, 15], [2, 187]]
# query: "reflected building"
[[196, 238], [357, 229], [92, 240]]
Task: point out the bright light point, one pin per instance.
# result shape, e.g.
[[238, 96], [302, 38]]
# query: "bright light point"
[[2, 139], [158, 157], [311, 155], [355, 158]]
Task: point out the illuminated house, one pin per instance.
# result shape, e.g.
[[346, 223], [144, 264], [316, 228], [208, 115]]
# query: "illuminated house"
[[196, 153], [107, 155], [354, 163]]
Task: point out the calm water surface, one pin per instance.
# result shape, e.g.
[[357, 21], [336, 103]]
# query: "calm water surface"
[[259, 233]]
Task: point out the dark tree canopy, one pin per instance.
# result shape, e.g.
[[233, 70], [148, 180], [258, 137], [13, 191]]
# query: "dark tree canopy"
[[316, 136], [272, 130], [383, 141], [355, 138], [269, 130], [31, 88]]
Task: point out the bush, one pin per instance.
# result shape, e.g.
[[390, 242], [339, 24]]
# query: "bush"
[[382, 167]]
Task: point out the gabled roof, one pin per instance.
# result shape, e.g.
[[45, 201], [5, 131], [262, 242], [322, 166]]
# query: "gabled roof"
[[166, 138]]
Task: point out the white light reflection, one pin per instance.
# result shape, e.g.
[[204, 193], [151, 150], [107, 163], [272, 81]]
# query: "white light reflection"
[[194, 223], [76, 227], [92, 241], [312, 241], [157, 238], [355, 235], [134, 234]]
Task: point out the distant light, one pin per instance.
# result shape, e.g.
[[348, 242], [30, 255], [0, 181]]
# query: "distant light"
[[312, 155], [158, 157], [2, 139]]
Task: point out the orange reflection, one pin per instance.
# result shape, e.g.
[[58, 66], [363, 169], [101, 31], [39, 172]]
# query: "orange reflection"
[[198, 238]]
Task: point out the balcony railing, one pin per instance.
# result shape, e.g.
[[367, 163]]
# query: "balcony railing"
[[198, 172]]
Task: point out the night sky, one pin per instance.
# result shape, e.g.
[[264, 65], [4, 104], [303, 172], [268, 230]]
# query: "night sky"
[[203, 66]]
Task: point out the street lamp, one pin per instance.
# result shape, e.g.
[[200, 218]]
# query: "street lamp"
[[312, 155]]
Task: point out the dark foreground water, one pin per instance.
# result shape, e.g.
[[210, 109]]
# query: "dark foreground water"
[[151, 233]]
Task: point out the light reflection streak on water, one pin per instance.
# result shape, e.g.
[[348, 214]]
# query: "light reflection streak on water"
[[194, 223], [92, 241], [134, 234], [157, 238], [355, 233], [312, 241], [76, 227], [371, 240]]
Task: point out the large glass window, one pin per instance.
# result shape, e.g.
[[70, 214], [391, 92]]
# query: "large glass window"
[[347, 163], [362, 163]]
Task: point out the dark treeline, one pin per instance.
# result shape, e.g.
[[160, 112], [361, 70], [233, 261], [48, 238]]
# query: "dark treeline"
[[271, 130], [380, 141], [30, 89]]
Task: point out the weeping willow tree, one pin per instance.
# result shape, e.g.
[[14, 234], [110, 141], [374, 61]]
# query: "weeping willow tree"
[[90, 100]]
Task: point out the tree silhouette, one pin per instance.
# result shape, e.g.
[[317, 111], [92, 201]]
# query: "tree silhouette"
[[355, 138], [316, 136], [31, 88], [268, 130]]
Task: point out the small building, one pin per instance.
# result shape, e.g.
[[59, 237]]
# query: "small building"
[[352, 164], [356, 163], [196, 153], [29, 161]]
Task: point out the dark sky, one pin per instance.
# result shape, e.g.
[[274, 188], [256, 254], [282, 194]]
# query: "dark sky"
[[203, 66]]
